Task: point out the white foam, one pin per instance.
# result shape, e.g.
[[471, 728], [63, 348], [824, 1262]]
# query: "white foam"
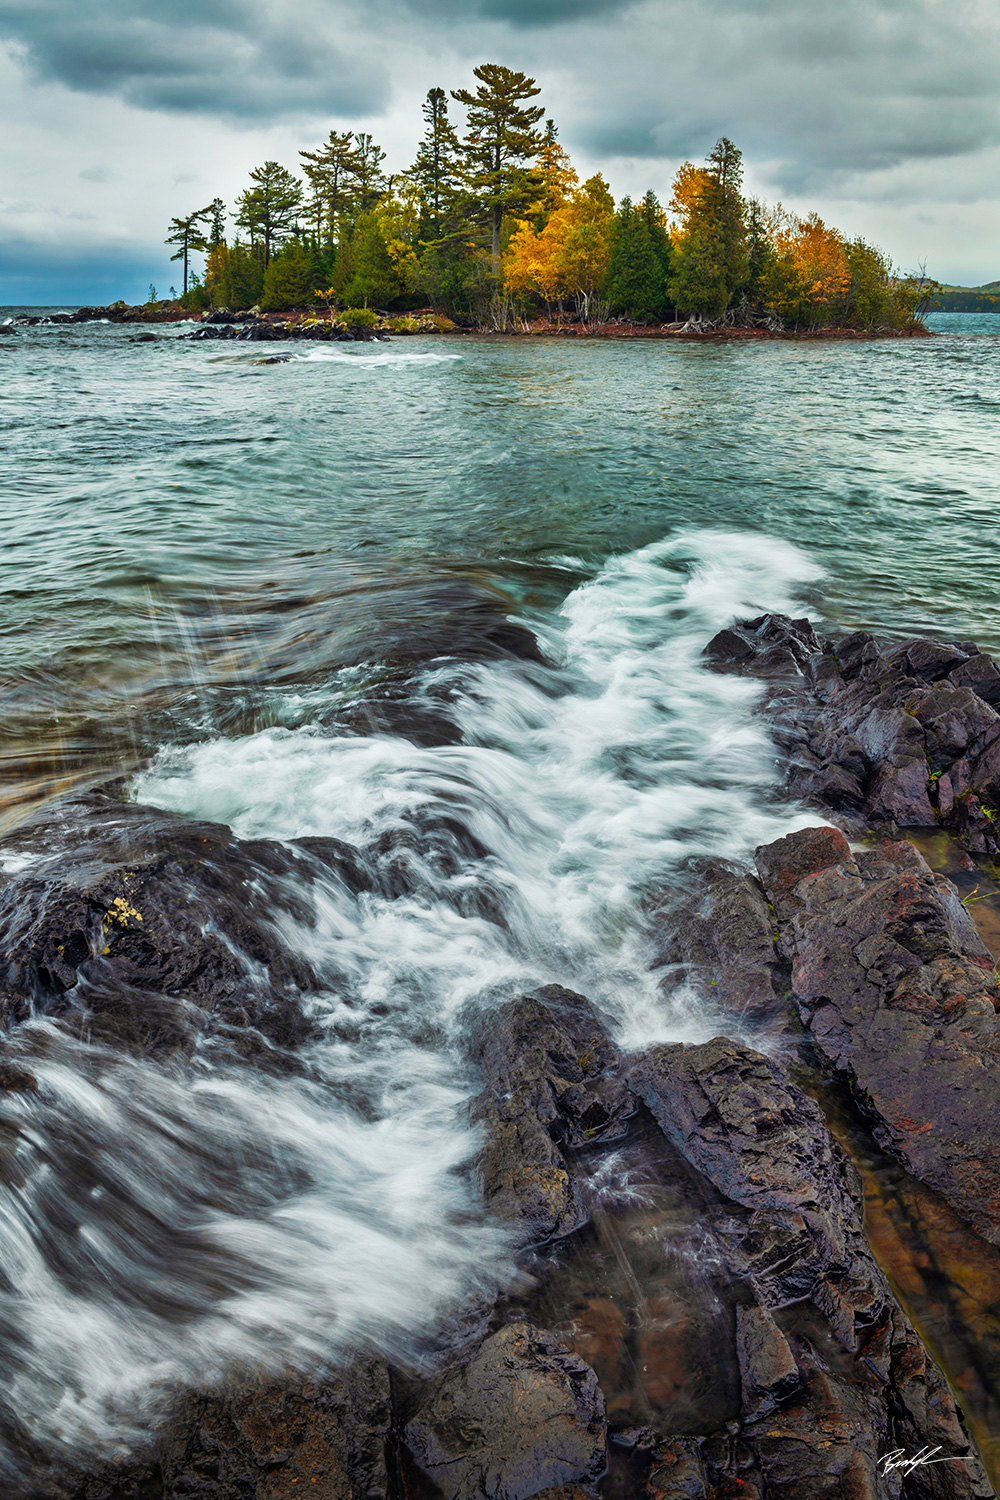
[[385, 359]]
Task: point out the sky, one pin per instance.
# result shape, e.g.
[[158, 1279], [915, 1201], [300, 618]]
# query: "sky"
[[116, 115]]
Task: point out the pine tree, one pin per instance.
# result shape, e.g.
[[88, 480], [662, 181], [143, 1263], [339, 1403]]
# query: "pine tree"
[[711, 259], [187, 234], [215, 213], [288, 281], [501, 145], [369, 181], [435, 172], [244, 277], [268, 211], [374, 280], [329, 171], [634, 281]]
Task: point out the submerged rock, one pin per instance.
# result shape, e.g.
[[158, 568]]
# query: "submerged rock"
[[146, 930], [550, 1080]]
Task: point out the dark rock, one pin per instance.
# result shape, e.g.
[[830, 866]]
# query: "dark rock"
[[550, 1078], [898, 991], [892, 735], [147, 930], [725, 942], [522, 1416], [326, 1439], [833, 1376]]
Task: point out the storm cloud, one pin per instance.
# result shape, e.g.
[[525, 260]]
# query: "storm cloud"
[[227, 58], [882, 114]]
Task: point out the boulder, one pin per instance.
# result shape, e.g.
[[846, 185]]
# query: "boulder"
[[521, 1417], [550, 1080]]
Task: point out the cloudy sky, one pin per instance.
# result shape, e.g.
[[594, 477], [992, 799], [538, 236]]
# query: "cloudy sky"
[[884, 115]]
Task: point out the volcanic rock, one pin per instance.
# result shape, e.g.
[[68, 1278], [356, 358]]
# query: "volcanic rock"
[[522, 1416], [899, 993]]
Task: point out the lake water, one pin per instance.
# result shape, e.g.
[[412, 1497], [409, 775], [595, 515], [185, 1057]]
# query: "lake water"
[[271, 594]]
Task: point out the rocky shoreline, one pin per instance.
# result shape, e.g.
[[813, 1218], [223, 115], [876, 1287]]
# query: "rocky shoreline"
[[255, 326], [701, 1316]]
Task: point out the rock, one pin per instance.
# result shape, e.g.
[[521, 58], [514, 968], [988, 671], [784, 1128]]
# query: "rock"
[[892, 735], [274, 1442], [549, 1079], [522, 1416], [145, 930], [832, 1374], [899, 993], [725, 943]]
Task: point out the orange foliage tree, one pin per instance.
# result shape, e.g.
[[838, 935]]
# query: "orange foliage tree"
[[565, 260]]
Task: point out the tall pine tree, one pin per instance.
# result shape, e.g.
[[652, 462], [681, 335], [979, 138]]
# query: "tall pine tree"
[[435, 171], [501, 145], [634, 281]]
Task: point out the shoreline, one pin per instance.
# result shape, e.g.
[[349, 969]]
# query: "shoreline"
[[306, 324]]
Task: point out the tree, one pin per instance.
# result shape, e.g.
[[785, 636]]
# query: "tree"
[[288, 281], [500, 146], [711, 261], [634, 282], [244, 276], [215, 213], [569, 256], [329, 170], [268, 211], [187, 234], [555, 170], [369, 180], [435, 172]]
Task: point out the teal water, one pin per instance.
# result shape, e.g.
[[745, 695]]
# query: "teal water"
[[277, 596], [179, 514]]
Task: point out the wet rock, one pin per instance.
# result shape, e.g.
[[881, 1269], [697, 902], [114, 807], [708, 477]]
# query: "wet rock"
[[273, 1442], [833, 1376], [895, 735], [550, 1080], [899, 993], [724, 942], [522, 1417], [145, 930]]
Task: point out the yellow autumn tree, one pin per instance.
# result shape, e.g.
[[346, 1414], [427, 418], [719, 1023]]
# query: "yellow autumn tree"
[[689, 187], [553, 166], [565, 260]]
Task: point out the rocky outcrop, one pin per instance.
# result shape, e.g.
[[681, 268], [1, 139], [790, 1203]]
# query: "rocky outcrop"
[[147, 931], [550, 1081], [521, 1417], [899, 993], [833, 1377], [271, 1441], [907, 734]]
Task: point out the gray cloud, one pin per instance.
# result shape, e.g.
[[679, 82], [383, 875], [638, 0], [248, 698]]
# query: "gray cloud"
[[228, 58]]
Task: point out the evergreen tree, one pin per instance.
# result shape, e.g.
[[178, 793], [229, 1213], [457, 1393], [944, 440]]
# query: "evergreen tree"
[[215, 213], [659, 235], [369, 181], [268, 211], [375, 279], [187, 234], [244, 276], [634, 279], [435, 171], [711, 261], [329, 171], [501, 144], [287, 280]]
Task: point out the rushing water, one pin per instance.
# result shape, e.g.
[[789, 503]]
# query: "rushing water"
[[272, 594]]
